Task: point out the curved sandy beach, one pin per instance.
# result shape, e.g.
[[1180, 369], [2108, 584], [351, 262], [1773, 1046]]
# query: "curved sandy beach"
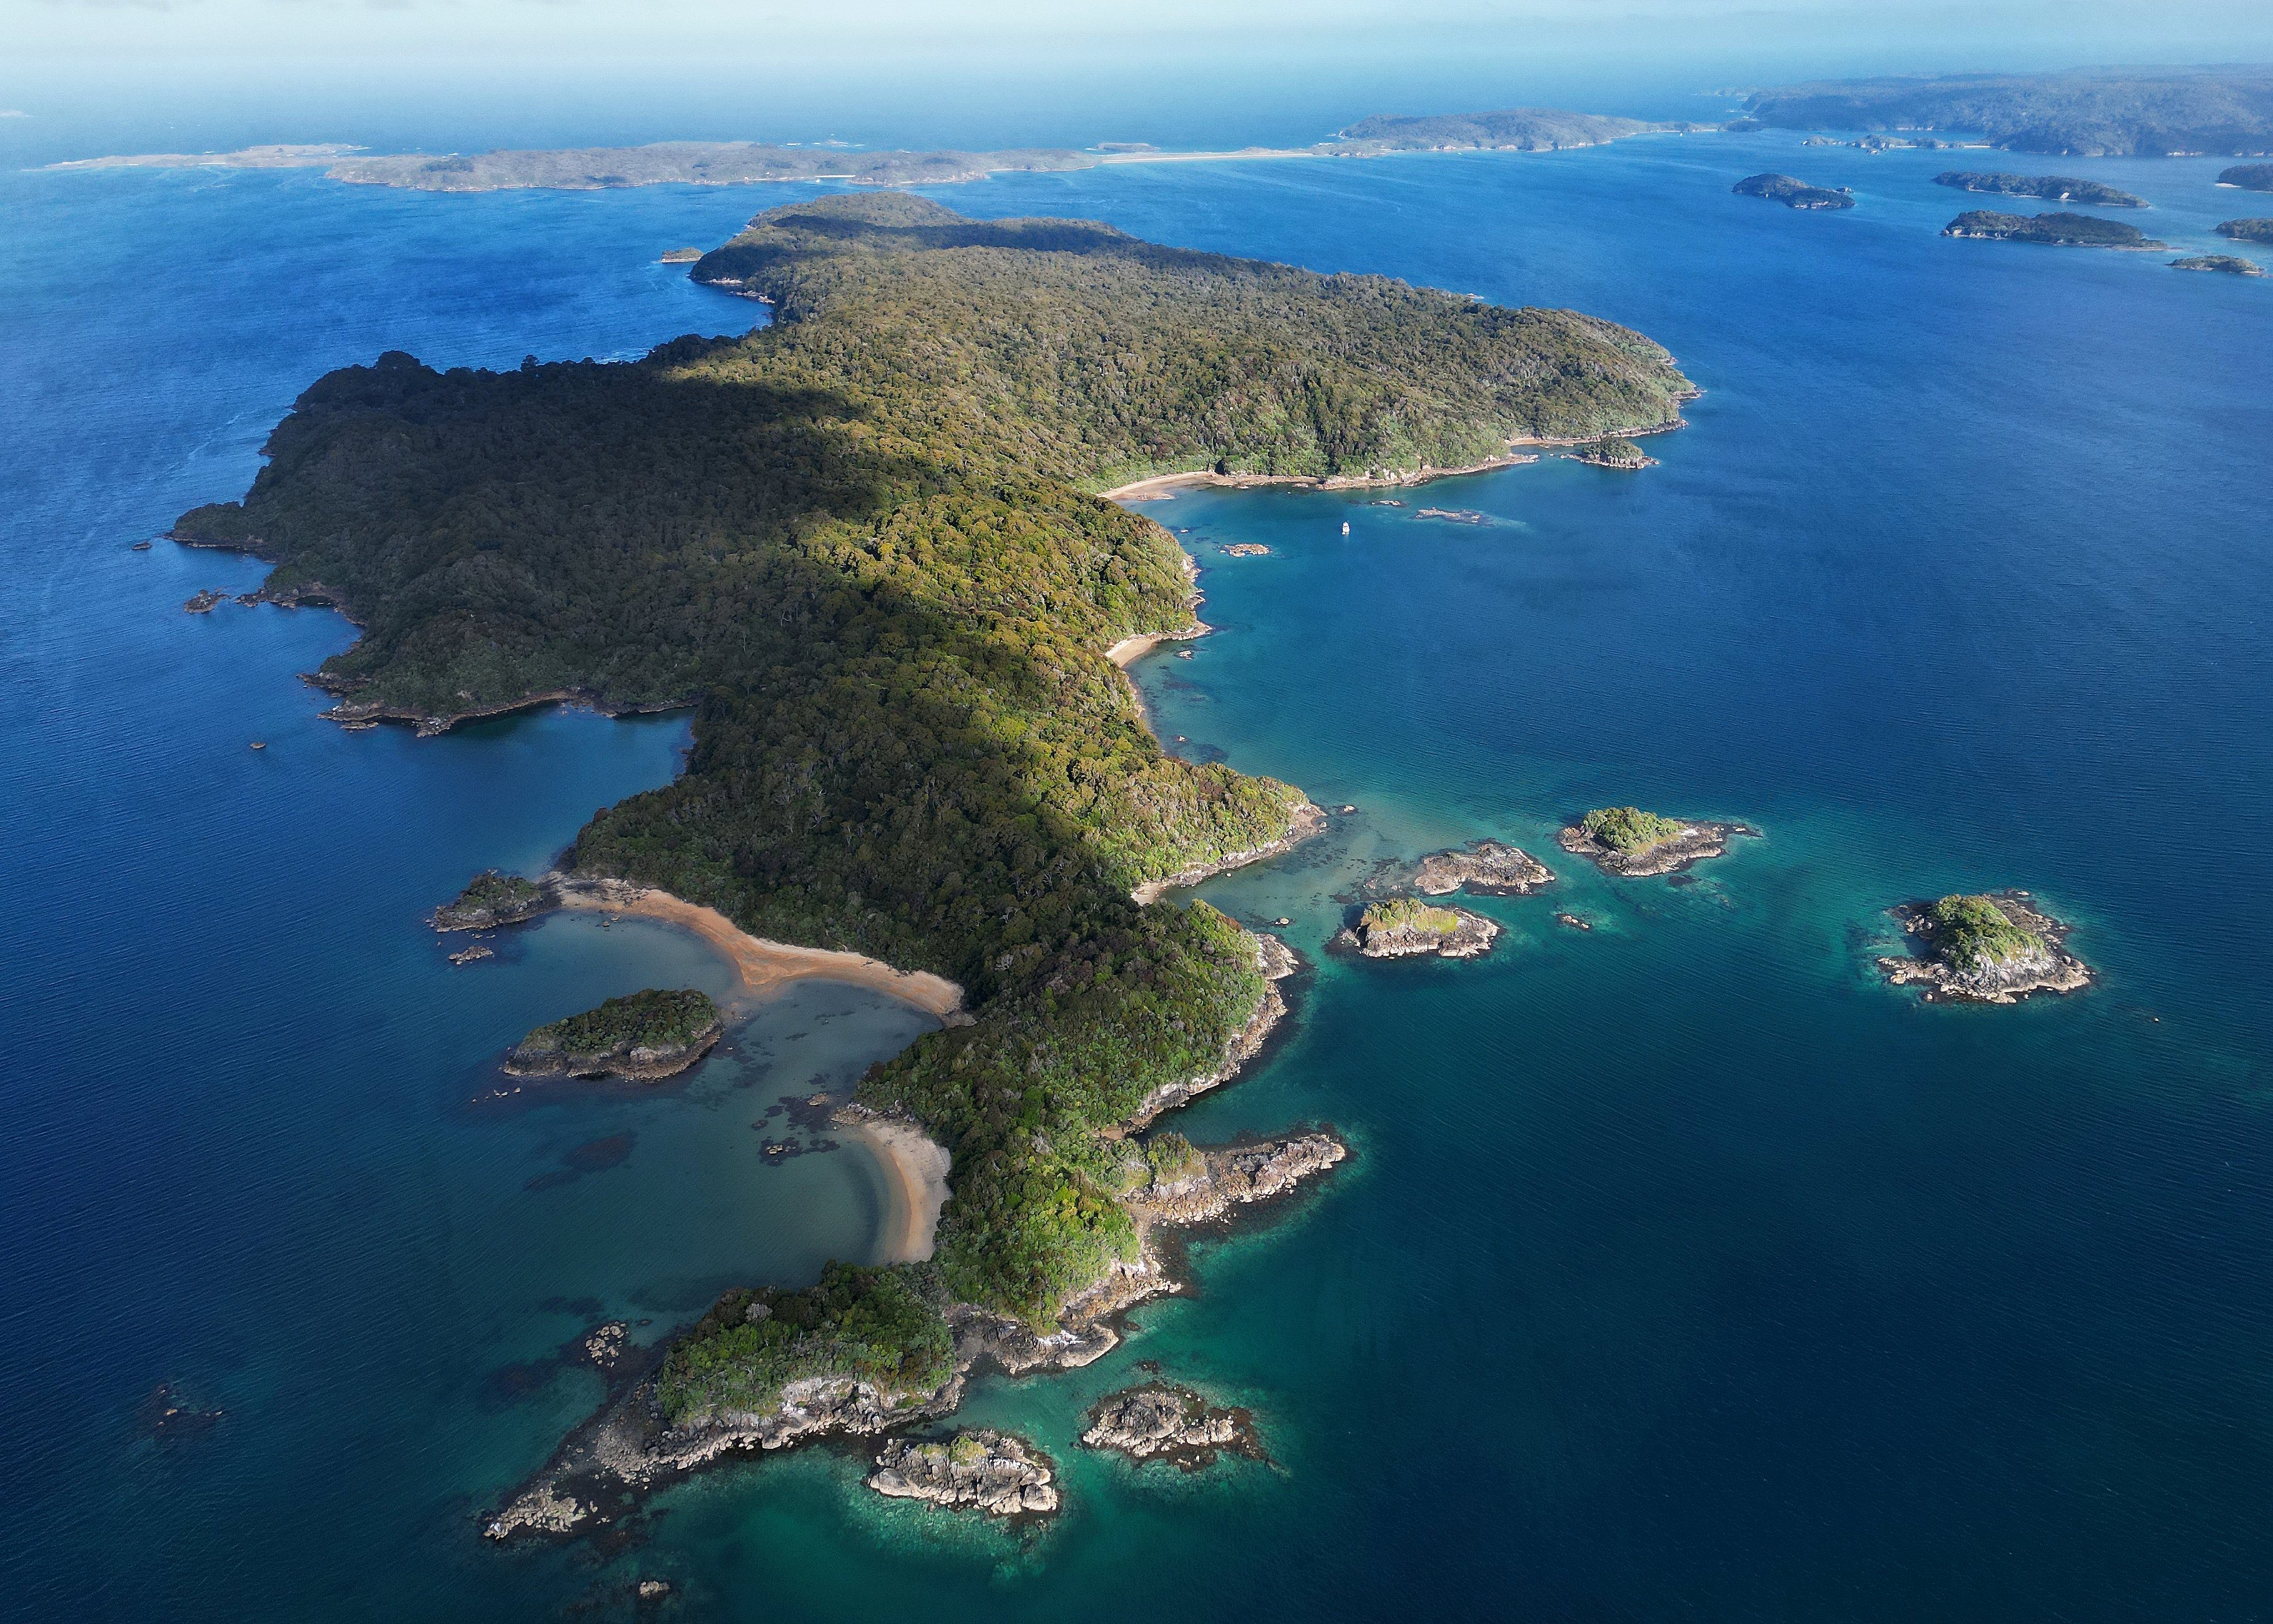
[[915, 1168], [1125, 652], [761, 964]]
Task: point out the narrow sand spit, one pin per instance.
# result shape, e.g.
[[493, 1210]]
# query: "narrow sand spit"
[[764, 964]]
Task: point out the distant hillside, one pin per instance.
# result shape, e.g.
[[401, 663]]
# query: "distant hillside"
[[1516, 129], [2144, 112]]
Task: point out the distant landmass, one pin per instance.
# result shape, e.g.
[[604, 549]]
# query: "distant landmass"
[[2143, 112], [700, 163], [1516, 129], [2249, 177], [1792, 193], [2051, 188], [2065, 230], [738, 163]]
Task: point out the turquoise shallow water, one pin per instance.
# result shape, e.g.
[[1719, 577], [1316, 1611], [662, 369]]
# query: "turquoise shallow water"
[[1681, 1271]]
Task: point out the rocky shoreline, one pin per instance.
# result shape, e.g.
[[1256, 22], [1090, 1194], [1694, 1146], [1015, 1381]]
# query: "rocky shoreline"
[[629, 1449], [1306, 821], [2046, 965], [994, 1472], [1162, 1422], [1277, 962], [1696, 842]]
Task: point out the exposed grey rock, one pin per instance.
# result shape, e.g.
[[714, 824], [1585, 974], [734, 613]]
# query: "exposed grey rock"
[[998, 1474], [1483, 867], [1161, 1422]]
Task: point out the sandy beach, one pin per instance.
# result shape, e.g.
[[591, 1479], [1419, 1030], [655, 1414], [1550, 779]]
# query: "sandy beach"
[[1159, 485], [762, 964], [915, 1165], [1130, 649]]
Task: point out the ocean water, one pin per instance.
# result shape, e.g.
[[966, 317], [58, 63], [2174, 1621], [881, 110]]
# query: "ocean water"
[[1682, 1271]]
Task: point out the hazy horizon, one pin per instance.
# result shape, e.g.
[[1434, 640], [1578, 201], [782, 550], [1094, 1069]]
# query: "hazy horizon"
[[210, 73]]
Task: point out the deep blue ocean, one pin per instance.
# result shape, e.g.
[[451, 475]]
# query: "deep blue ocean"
[[1682, 1271]]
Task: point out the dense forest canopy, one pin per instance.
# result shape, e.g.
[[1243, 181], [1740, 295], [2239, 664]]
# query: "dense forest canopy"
[[861, 542]]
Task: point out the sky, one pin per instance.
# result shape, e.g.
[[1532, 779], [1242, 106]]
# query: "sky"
[[1014, 71]]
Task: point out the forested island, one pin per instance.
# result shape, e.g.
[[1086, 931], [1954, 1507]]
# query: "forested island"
[[1992, 948], [2247, 230], [644, 1037], [2062, 229], [2101, 112], [1793, 193], [2249, 176], [861, 542], [1631, 843], [2051, 188]]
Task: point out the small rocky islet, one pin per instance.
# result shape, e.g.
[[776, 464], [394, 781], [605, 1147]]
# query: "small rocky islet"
[[1404, 926], [1614, 451], [997, 1473], [1482, 868], [1161, 1421], [643, 1037], [1628, 843], [2232, 265], [1991, 948]]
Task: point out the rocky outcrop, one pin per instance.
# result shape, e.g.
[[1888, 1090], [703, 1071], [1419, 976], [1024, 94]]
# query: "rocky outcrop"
[[1389, 931], [492, 899], [1277, 962], [1161, 1422], [994, 1472], [1237, 1176], [629, 1449], [2042, 964], [1693, 844], [1482, 867], [206, 602]]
